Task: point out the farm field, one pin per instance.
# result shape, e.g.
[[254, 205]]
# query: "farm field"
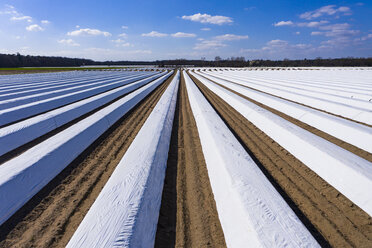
[[193, 157], [28, 70]]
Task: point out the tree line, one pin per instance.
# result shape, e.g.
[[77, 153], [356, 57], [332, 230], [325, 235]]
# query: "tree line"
[[18, 60]]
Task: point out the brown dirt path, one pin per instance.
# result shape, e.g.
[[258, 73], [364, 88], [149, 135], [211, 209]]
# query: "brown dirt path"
[[51, 217], [332, 218], [188, 215]]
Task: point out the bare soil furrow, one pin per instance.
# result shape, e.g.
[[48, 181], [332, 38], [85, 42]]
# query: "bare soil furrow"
[[188, 215], [51, 217], [336, 218]]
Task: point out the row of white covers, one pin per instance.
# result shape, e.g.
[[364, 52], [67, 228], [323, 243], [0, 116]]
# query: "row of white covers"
[[20, 133], [347, 172], [351, 132], [251, 211], [363, 115], [22, 177], [125, 214], [33, 108], [49, 86]]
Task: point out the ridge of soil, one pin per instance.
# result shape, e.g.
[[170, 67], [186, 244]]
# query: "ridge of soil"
[[188, 215]]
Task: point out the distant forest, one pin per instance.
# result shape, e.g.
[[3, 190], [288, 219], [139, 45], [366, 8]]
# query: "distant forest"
[[18, 60]]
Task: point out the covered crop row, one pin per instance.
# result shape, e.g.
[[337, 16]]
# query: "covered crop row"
[[347, 107], [58, 99], [205, 157], [251, 211], [135, 186], [23, 176], [20, 133], [348, 173], [348, 131]]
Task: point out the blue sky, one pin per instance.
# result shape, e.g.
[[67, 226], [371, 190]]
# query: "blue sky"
[[150, 30]]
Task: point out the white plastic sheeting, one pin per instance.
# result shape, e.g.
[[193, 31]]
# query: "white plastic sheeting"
[[66, 89], [251, 211], [125, 214], [26, 110], [347, 172], [340, 93], [22, 177], [348, 131], [20, 133], [32, 81], [361, 114], [23, 91]]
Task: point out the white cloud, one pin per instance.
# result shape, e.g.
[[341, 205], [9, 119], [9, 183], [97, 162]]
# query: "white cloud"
[[102, 54], [15, 15], [69, 42], [249, 8], [316, 33], [326, 10], [21, 18], [283, 23], [279, 49], [231, 37], [205, 29], [34, 27], [339, 29], [154, 34], [298, 32], [77, 26], [122, 35], [121, 43], [277, 43], [337, 42], [209, 44], [88, 31], [205, 18], [311, 24], [363, 38], [10, 10], [140, 52], [183, 35], [326, 29], [217, 41], [124, 27], [367, 37], [115, 52], [45, 22]]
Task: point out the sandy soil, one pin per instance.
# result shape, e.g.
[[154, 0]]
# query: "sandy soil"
[[332, 218], [51, 217], [188, 215]]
